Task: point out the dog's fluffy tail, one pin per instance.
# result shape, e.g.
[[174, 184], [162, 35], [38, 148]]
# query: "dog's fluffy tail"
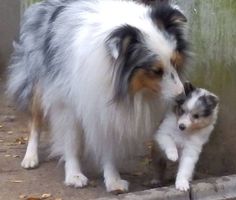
[[26, 64], [19, 85]]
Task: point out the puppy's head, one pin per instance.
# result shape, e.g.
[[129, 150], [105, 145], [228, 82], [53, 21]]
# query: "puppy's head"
[[149, 58], [198, 110]]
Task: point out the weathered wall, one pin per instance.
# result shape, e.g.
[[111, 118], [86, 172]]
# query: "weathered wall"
[[9, 21], [213, 36]]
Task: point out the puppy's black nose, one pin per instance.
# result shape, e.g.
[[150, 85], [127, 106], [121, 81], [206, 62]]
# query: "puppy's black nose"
[[182, 127], [180, 98]]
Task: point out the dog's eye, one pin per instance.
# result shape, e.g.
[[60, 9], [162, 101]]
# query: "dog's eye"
[[158, 72], [195, 116]]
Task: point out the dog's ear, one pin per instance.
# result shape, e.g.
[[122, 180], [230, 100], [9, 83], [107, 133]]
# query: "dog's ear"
[[212, 101], [170, 19], [169, 16], [151, 2], [188, 87], [121, 39]]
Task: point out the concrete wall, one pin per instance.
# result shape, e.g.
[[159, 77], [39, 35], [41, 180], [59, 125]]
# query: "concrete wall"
[[9, 23]]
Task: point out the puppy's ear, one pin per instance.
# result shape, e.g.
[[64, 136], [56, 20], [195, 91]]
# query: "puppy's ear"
[[188, 88], [121, 39], [212, 101]]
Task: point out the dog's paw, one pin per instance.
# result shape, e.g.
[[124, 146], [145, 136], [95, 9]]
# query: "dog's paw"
[[117, 186], [76, 180], [182, 185], [172, 154], [30, 161]]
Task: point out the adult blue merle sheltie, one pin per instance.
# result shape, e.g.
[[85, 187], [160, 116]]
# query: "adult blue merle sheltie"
[[101, 72]]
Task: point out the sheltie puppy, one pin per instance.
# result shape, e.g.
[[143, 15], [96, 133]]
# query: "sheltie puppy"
[[183, 133], [100, 72]]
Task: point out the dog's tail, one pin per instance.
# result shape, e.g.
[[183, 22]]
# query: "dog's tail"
[[19, 85], [27, 65]]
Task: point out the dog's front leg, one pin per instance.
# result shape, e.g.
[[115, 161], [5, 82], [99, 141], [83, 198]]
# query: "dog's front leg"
[[112, 179]]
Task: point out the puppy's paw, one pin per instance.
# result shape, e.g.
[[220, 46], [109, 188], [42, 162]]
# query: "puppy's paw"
[[76, 180], [117, 186], [182, 185], [30, 161], [172, 154]]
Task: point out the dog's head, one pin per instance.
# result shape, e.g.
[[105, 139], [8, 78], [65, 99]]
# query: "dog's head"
[[150, 57], [198, 110]]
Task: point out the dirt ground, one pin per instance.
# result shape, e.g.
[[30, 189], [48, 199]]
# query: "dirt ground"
[[16, 182]]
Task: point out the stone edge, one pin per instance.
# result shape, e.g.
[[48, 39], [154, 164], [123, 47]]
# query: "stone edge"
[[220, 188]]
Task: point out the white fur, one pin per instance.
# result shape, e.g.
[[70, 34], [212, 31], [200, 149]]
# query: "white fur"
[[31, 156], [76, 97], [110, 132], [184, 146]]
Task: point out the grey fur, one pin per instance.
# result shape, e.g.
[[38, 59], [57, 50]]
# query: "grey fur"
[[39, 49]]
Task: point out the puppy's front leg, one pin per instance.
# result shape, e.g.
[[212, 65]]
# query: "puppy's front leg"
[[187, 163], [167, 145], [112, 179]]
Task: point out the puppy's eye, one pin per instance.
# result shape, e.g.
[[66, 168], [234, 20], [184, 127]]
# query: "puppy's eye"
[[159, 72], [180, 111], [195, 116]]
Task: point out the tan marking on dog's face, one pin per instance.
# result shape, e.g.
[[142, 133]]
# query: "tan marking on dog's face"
[[147, 78], [200, 123], [177, 60]]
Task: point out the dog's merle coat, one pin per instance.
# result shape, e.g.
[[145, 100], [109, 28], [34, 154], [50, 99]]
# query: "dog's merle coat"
[[99, 71]]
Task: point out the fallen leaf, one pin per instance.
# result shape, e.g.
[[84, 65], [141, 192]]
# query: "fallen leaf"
[[9, 132], [33, 198], [16, 181], [7, 156], [45, 196], [21, 140], [58, 199], [22, 196], [1, 126], [26, 138], [93, 183], [137, 173], [9, 118], [146, 161], [15, 156]]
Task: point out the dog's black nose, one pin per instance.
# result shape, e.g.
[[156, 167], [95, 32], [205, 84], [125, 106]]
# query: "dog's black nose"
[[180, 98], [182, 127]]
